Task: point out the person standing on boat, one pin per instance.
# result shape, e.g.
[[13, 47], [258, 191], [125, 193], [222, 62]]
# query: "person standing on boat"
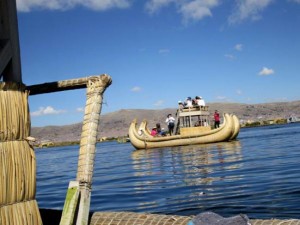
[[188, 102], [170, 122], [217, 119], [180, 106], [200, 101]]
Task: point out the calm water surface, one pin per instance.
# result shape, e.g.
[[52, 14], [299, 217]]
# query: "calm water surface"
[[259, 175]]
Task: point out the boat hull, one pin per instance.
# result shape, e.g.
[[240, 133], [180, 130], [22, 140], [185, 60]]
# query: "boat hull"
[[140, 137]]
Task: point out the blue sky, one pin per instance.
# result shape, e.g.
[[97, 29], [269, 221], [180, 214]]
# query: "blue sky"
[[159, 52]]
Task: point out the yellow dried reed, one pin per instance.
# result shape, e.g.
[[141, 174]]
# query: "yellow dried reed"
[[18, 172], [14, 112], [17, 159], [22, 213]]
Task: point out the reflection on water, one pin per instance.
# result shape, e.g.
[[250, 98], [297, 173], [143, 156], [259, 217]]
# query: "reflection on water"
[[193, 164], [258, 175], [188, 171]]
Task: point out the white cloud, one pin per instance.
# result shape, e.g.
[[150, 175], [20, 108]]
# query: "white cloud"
[[197, 9], [80, 109], [99, 5], [159, 103], [154, 5], [296, 1], [266, 71], [164, 51], [194, 10], [238, 47], [47, 111], [136, 89], [248, 9], [221, 98], [239, 92], [229, 56]]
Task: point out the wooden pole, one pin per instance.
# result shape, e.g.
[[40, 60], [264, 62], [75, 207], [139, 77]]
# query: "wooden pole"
[[95, 89], [63, 85], [10, 63]]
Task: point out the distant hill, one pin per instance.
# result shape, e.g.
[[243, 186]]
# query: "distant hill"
[[116, 124]]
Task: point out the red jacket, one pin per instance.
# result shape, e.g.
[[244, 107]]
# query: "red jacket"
[[217, 117]]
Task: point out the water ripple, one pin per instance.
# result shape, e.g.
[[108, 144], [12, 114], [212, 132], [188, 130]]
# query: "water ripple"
[[257, 175]]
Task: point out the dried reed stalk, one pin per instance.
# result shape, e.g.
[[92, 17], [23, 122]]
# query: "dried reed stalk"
[[17, 172], [22, 213], [14, 112], [95, 89], [17, 159]]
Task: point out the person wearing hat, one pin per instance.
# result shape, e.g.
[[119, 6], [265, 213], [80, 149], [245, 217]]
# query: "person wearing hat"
[[217, 119], [171, 123], [180, 105], [188, 102]]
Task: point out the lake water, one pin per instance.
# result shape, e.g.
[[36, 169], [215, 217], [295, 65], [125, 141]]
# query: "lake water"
[[258, 175]]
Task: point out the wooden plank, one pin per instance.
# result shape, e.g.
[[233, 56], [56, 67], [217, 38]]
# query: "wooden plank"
[[70, 205], [194, 113], [84, 206], [5, 54]]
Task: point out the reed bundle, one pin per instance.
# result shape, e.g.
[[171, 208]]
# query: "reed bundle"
[[24, 213], [17, 159], [18, 172], [14, 112], [95, 89]]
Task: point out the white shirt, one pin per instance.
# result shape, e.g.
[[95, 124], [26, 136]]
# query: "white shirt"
[[170, 120], [189, 103], [200, 102]]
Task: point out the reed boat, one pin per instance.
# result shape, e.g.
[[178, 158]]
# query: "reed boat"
[[192, 127]]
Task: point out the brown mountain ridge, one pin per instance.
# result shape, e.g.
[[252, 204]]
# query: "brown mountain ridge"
[[116, 124]]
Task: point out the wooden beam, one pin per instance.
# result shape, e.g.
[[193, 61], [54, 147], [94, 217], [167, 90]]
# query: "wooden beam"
[[5, 54], [60, 85], [9, 30]]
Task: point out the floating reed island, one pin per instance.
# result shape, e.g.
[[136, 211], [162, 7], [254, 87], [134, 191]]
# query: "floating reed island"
[[18, 205]]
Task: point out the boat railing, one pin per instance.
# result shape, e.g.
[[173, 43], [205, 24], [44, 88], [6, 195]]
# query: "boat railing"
[[188, 117], [194, 108]]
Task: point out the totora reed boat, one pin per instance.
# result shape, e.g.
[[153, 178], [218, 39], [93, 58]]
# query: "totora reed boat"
[[191, 128]]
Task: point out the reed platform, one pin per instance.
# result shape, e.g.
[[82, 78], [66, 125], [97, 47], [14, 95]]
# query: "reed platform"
[[51, 217]]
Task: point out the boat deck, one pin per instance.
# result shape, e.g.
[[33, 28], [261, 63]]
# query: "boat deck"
[[192, 120]]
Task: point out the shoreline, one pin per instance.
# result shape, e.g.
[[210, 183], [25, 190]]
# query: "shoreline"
[[50, 144]]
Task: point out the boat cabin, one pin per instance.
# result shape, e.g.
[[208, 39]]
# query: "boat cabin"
[[192, 120]]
